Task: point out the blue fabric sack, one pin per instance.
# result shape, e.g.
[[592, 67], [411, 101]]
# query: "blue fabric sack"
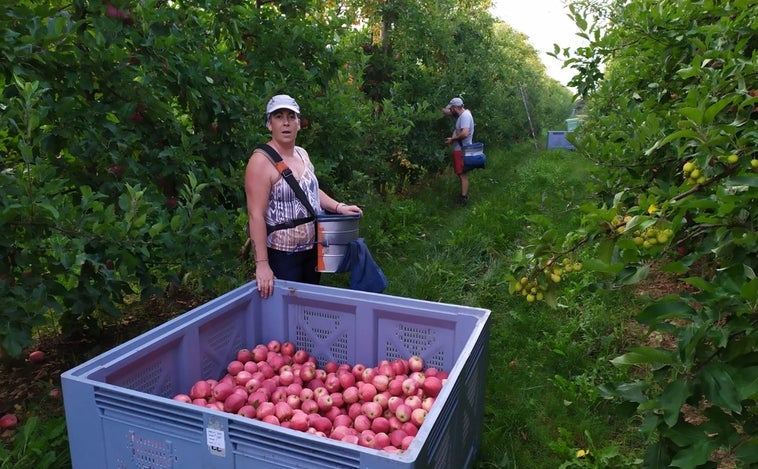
[[365, 274]]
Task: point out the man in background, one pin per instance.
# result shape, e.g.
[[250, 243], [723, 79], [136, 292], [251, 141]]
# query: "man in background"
[[463, 134]]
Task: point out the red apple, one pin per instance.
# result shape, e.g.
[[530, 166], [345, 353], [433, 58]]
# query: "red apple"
[[182, 398], [37, 356], [432, 386], [415, 363], [244, 355], [8, 421]]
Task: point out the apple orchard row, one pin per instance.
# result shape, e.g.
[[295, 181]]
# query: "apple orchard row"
[[379, 407]]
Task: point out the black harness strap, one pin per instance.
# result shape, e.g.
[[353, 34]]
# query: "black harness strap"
[[286, 173]]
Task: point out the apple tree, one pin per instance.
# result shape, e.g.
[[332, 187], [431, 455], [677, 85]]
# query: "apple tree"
[[672, 120]]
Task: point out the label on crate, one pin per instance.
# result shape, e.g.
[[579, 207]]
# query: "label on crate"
[[216, 441]]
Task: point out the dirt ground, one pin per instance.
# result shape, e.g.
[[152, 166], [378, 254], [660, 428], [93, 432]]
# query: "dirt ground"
[[26, 385]]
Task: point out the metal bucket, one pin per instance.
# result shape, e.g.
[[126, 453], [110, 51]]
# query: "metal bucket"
[[335, 233]]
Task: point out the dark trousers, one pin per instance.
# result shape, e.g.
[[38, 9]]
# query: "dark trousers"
[[299, 266]]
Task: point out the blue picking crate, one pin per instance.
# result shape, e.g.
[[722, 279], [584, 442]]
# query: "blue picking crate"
[[557, 139], [120, 413]]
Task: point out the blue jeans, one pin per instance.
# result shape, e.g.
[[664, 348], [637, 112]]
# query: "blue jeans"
[[299, 266]]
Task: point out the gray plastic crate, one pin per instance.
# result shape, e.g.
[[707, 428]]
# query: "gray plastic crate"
[[120, 413]]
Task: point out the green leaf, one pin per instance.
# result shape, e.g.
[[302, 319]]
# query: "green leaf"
[[746, 381], [693, 114], [694, 456], [720, 388], [665, 310], [645, 356], [714, 109], [672, 398]]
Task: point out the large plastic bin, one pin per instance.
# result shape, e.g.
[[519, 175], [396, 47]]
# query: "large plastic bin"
[[557, 139], [120, 414]]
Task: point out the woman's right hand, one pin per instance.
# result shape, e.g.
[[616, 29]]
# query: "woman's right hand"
[[265, 278]]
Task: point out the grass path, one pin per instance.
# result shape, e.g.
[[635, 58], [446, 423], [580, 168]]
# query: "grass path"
[[542, 403]]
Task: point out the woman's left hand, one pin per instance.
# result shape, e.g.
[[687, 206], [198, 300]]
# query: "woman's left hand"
[[350, 210]]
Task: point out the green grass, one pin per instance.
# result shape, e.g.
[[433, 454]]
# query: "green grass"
[[542, 402]]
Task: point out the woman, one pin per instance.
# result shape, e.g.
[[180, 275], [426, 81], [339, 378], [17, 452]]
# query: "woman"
[[284, 253]]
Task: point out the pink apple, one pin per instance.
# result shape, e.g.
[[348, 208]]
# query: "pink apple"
[[361, 423], [385, 369], [323, 424], [260, 353], [367, 392], [414, 402], [309, 406], [406, 442], [392, 449], [183, 398], [371, 409], [251, 367], [352, 439], [403, 413], [299, 421], [395, 423], [331, 366], [418, 416], [274, 346], [307, 373], [381, 439], [410, 428], [367, 439], [300, 356], [380, 424], [286, 377], [247, 411], [266, 369], [382, 400], [332, 383], [324, 402], [427, 403], [432, 386], [419, 376], [350, 395], [410, 386], [358, 370], [338, 432], [234, 402], [333, 413], [200, 401], [283, 411], [342, 420], [393, 402], [396, 437], [287, 348], [243, 377], [222, 390], [278, 395], [399, 366], [201, 389], [395, 386], [380, 382], [264, 409], [306, 394], [244, 355], [355, 409], [431, 371], [293, 400], [346, 379], [415, 363], [338, 399], [368, 374]]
